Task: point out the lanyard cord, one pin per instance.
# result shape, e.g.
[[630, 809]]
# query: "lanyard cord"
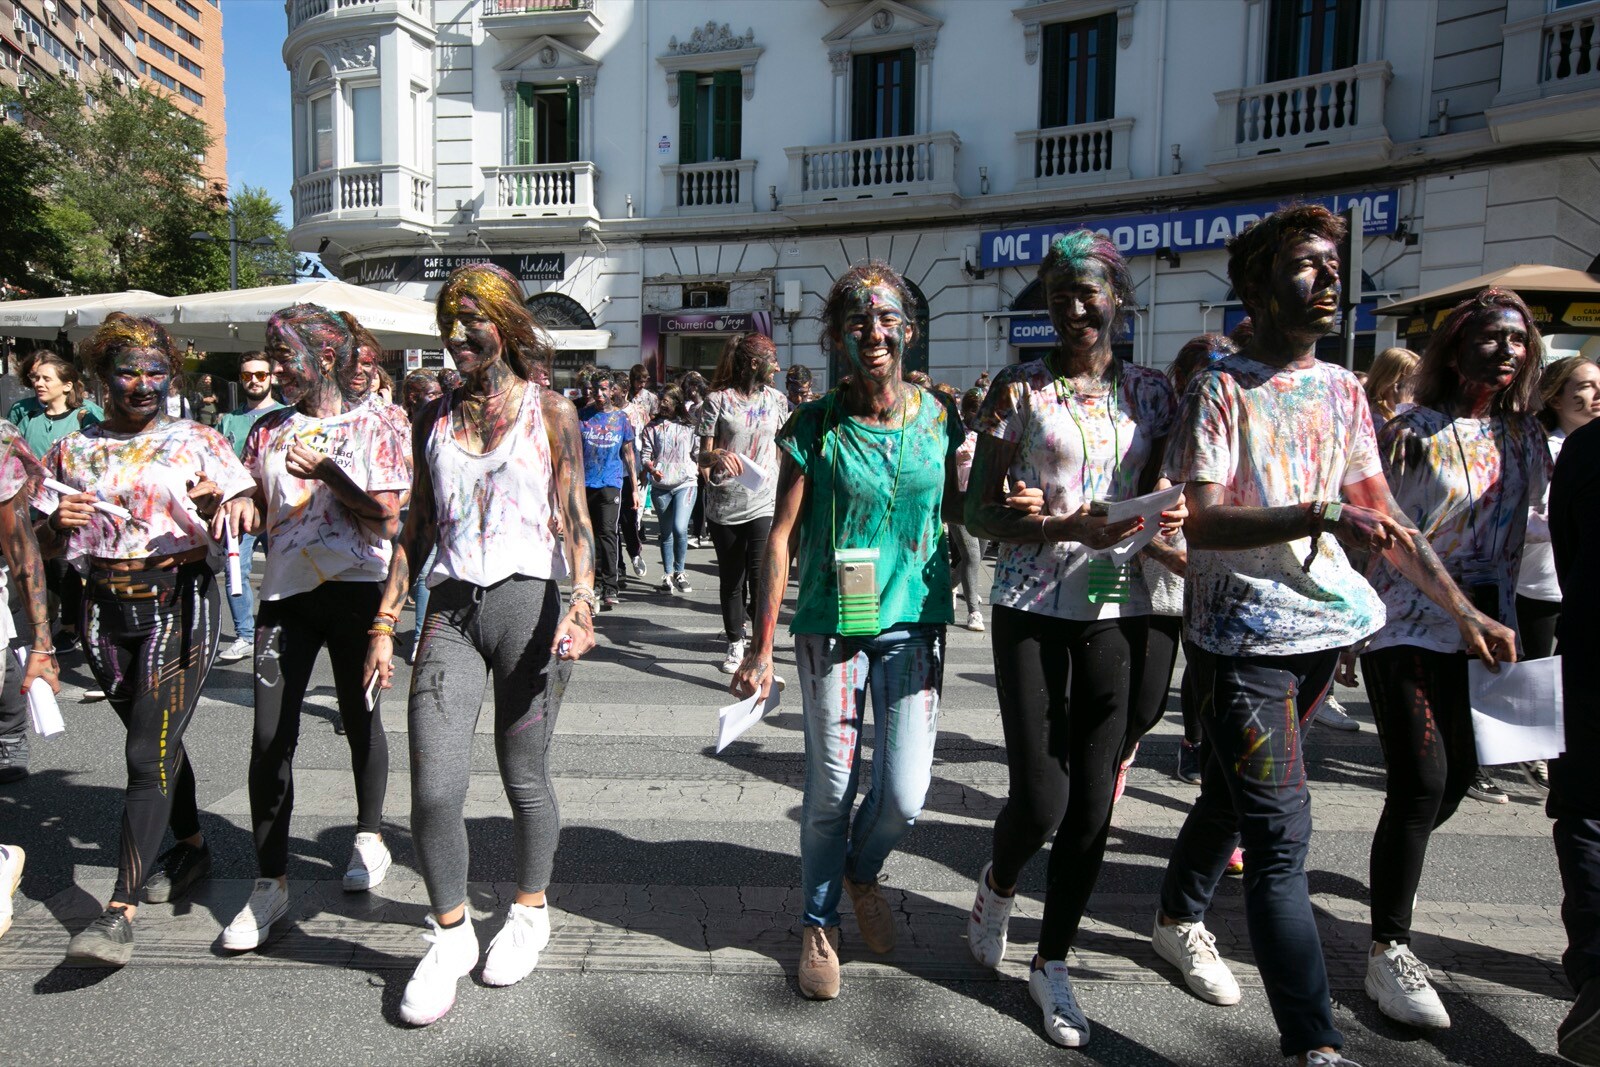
[[894, 491], [1472, 497], [1065, 393]]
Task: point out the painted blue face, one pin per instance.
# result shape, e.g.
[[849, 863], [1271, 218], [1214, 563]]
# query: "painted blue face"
[[137, 384], [1493, 348], [877, 332]]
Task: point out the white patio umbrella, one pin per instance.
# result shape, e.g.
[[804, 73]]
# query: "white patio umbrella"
[[49, 315], [236, 319]]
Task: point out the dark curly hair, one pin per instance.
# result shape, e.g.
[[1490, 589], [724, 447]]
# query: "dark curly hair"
[[1251, 254], [121, 331]]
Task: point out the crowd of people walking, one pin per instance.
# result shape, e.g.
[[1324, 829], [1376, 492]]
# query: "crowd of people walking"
[[1390, 531]]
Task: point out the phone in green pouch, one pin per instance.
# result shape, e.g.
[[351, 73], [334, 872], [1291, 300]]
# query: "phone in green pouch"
[[1109, 583], [856, 572]]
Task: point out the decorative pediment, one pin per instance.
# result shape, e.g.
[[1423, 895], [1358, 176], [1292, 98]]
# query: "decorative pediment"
[[712, 47], [547, 59], [1038, 12], [882, 25]]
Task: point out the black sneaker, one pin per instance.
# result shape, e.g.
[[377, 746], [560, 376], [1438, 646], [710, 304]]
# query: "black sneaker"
[[1484, 789], [14, 757], [1188, 763], [1578, 1036], [176, 871], [1537, 772], [66, 641], [106, 942]]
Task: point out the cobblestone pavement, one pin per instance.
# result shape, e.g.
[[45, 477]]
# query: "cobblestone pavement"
[[675, 924]]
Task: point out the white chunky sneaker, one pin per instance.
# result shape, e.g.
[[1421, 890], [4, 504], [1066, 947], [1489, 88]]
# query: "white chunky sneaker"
[[1328, 1059], [1064, 1022], [1192, 949], [12, 859], [1331, 713], [431, 992], [735, 656], [236, 650], [1398, 981], [268, 903], [369, 862], [514, 952], [975, 621], [986, 923]]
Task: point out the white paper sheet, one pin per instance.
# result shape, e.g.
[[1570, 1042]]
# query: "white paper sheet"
[[43, 712], [235, 580], [116, 511], [1517, 714], [1149, 507], [735, 719], [750, 475]]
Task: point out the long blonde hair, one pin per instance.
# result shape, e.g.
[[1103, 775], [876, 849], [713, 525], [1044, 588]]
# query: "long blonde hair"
[[1392, 367]]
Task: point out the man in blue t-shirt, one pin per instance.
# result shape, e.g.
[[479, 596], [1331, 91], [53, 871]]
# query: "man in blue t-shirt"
[[608, 461]]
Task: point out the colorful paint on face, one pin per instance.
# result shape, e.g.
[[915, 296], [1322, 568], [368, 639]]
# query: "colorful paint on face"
[[1304, 295], [473, 340], [1082, 305], [876, 333], [297, 370], [137, 385], [1493, 349], [361, 377]]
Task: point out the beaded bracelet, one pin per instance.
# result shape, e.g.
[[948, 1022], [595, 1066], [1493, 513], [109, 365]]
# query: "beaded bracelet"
[[381, 630]]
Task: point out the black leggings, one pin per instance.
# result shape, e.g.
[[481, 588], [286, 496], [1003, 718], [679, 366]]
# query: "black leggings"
[[1536, 623], [740, 548], [1419, 699], [1063, 692], [629, 522], [1152, 678], [63, 580], [290, 633], [605, 504], [150, 637]]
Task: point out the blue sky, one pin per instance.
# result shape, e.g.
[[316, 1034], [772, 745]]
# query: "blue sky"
[[257, 87]]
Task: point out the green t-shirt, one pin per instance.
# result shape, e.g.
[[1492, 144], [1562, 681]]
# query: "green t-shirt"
[[236, 425], [40, 431], [852, 470]]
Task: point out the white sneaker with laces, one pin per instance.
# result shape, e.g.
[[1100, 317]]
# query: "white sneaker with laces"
[[1328, 1059], [236, 650], [639, 568], [514, 952], [1331, 713], [1398, 981], [268, 903], [12, 859], [975, 621], [369, 862], [666, 585], [1064, 1021], [1192, 949], [986, 922], [735, 656], [431, 992]]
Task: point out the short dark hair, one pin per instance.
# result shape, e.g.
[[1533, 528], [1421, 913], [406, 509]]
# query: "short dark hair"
[[1252, 253]]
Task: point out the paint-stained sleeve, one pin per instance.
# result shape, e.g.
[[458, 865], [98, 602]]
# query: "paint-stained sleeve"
[[801, 436], [1203, 446], [1157, 404], [388, 470], [710, 410], [216, 461], [1365, 459], [18, 467]]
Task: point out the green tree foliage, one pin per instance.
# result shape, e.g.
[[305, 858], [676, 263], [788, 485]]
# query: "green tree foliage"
[[257, 214], [31, 249]]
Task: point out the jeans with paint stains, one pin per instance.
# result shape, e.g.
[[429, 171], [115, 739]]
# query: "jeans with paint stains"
[[1254, 711], [903, 669]]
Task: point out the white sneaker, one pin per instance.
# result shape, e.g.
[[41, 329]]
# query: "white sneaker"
[[1331, 713], [735, 656], [1192, 949], [986, 922], [1064, 1021], [1328, 1059], [235, 651], [369, 862], [12, 859], [975, 621], [431, 992], [1398, 981], [681, 581], [93, 693], [268, 903], [666, 585], [514, 952], [638, 566]]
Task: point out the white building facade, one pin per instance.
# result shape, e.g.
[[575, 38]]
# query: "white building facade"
[[665, 173]]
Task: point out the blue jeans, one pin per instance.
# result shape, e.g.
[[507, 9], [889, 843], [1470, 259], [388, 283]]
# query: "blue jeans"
[[1253, 711], [904, 670], [243, 606], [419, 592], [673, 508]]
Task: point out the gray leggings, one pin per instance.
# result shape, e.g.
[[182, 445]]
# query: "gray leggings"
[[971, 566], [471, 631]]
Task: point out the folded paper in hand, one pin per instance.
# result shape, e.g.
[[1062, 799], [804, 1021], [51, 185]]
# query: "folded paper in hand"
[[750, 475], [735, 719], [1517, 713], [1149, 507], [43, 711]]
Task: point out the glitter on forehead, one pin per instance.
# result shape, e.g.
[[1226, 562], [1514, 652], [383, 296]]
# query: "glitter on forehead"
[[315, 327]]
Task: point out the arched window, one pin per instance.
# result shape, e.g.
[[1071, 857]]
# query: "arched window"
[[318, 147]]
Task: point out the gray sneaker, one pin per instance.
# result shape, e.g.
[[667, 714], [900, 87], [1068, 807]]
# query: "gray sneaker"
[[14, 757]]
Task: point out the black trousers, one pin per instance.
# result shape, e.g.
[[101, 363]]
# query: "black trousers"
[[740, 548], [1063, 690], [629, 520], [605, 506], [1419, 699], [1574, 804], [64, 583], [290, 634], [1536, 622], [13, 705], [1152, 678]]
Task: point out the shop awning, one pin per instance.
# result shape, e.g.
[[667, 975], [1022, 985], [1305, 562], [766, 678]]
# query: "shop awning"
[[1561, 299]]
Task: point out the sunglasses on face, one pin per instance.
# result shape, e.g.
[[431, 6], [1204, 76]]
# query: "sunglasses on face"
[[256, 376]]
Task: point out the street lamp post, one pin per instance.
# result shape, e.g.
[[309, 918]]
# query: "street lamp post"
[[234, 241]]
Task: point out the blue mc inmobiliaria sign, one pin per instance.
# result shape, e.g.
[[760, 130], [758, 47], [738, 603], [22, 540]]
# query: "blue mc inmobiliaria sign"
[[1200, 228]]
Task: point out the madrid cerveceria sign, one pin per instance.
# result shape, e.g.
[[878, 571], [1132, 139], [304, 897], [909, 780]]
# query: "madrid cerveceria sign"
[[528, 267]]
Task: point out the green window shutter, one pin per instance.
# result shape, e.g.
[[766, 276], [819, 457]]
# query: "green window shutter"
[[573, 146], [1106, 68], [1283, 60], [1053, 77], [908, 93], [861, 99], [524, 125], [1347, 31], [688, 135], [727, 100]]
